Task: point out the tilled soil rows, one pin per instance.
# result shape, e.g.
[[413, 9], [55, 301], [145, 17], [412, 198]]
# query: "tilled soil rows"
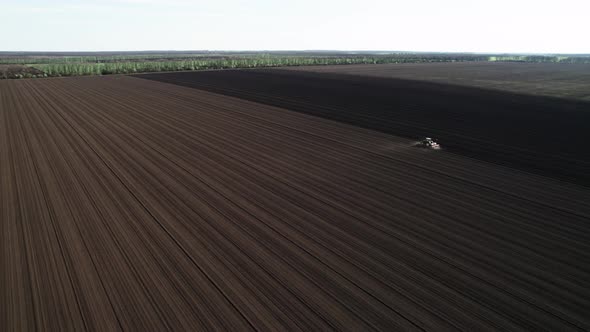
[[130, 204], [543, 135]]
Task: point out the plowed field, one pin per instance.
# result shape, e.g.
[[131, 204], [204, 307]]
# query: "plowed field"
[[544, 135], [130, 204]]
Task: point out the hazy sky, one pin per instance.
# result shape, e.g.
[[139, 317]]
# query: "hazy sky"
[[412, 25]]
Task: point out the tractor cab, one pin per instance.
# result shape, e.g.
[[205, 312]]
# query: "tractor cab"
[[429, 143]]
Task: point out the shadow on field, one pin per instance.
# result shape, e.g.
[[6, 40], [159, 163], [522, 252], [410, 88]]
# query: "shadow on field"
[[543, 135]]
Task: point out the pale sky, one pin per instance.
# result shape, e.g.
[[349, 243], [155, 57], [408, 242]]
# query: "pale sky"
[[518, 26]]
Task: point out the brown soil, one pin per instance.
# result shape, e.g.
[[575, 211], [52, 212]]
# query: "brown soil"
[[129, 204], [541, 79], [543, 135]]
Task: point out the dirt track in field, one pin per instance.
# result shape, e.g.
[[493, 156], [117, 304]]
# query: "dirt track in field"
[[128, 204], [543, 135]]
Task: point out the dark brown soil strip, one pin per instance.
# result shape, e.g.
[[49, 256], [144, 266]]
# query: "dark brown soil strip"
[[129, 204], [543, 135]]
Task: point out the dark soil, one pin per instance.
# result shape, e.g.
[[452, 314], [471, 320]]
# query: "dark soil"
[[133, 205], [543, 135], [563, 80]]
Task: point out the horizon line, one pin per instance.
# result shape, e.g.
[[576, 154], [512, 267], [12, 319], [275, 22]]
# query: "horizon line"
[[293, 50]]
